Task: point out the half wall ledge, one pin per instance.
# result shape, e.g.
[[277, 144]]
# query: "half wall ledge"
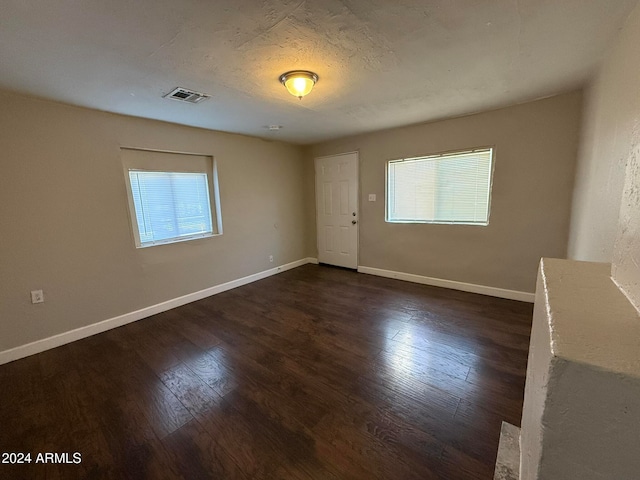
[[581, 414]]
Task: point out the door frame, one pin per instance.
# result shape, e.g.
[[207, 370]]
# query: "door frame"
[[315, 195]]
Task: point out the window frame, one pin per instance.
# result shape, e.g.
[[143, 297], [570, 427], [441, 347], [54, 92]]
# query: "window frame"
[[445, 154], [132, 165]]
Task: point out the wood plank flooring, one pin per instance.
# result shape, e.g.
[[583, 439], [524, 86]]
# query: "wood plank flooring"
[[315, 373]]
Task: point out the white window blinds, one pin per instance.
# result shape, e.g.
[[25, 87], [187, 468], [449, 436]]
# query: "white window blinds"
[[172, 196], [170, 205], [448, 188]]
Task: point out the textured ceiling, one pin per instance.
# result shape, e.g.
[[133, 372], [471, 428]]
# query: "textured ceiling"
[[381, 63]]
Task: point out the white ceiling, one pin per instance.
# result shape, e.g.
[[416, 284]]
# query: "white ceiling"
[[381, 63]]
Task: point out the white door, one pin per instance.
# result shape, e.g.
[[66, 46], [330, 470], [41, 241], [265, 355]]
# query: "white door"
[[337, 209]]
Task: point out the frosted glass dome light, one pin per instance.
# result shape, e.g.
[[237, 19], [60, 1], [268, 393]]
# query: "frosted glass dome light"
[[299, 82]]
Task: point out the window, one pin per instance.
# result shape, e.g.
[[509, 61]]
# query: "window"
[[447, 188], [172, 197]]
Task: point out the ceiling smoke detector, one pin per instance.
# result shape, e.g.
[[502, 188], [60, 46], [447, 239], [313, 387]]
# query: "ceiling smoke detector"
[[185, 95]]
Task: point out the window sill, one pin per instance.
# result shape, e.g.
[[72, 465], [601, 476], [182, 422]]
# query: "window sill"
[[178, 240]]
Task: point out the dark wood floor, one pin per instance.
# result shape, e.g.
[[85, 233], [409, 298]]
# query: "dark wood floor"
[[316, 373]]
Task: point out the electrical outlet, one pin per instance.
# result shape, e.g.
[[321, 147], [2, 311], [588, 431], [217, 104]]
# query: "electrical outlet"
[[271, 258], [37, 296]]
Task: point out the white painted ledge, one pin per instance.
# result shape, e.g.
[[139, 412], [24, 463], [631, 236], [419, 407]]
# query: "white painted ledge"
[[95, 328], [440, 282], [581, 412]]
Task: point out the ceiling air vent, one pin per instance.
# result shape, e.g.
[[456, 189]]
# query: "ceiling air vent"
[[184, 95]]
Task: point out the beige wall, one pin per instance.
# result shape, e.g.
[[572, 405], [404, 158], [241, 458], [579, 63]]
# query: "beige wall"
[[535, 151], [620, 87], [598, 375], [610, 130], [310, 201], [65, 224]]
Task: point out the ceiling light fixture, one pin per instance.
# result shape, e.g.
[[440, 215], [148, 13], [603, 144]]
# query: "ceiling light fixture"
[[299, 82]]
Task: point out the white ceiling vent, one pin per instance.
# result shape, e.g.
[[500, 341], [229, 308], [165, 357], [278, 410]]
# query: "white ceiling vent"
[[184, 95]]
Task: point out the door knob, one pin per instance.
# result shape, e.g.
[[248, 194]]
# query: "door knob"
[[353, 222]]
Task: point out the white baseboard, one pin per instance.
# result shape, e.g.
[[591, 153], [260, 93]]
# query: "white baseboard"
[[83, 332], [439, 282]]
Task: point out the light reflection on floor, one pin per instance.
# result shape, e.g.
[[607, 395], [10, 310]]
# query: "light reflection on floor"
[[419, 353], [401, 362]]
